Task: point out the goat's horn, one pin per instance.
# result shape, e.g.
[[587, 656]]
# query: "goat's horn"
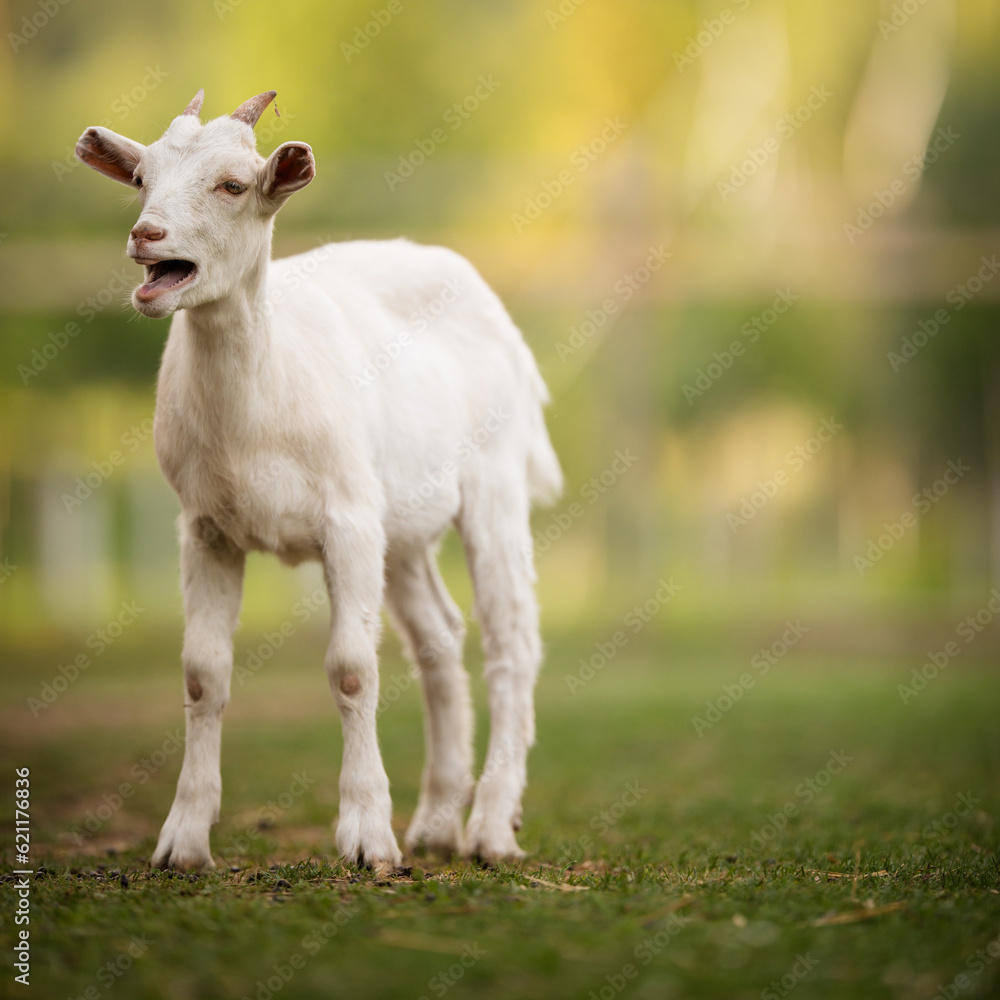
[[249, 111], [194, 108]]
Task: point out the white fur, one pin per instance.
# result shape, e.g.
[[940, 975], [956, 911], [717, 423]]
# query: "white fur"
[[346, 405]]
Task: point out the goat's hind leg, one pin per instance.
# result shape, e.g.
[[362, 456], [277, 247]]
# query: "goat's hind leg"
[[433, 630], [212, 579], [495, 529]]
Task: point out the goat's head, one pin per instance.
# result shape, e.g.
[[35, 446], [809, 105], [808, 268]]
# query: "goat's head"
[[207, 200]]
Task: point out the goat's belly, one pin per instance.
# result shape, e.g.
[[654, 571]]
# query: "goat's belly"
[[292, 542], [418, 512], [258, 526], [291, 539]]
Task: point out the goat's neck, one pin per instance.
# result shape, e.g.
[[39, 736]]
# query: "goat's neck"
[[234, 331], [231, 351]]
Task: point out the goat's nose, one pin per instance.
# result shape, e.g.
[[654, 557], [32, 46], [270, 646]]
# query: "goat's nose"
[[148, 232]]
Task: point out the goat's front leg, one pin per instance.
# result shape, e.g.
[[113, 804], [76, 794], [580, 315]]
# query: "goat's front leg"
[[212, 580], [354, 555]]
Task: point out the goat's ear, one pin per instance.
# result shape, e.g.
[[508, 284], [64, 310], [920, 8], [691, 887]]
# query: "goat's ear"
[[290, 167], [111, 154]]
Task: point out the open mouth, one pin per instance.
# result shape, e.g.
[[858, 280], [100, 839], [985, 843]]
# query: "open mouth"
[[166, 276]]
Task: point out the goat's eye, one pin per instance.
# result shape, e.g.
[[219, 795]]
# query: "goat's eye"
[[234, 187], [138, 182]]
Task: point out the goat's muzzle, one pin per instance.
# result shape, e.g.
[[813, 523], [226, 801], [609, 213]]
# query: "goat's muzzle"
[[139, 241], [163, 273], [146, 232]]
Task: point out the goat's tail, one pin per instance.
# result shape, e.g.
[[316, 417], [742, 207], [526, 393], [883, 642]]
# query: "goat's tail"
[[545, 478]]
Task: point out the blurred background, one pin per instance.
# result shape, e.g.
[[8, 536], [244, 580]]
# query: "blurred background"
[[752, 245]]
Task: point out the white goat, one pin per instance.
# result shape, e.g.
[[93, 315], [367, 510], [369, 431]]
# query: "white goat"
[[276, 436]]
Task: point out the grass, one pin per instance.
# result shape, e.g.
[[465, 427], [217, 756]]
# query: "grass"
[[821, 838]]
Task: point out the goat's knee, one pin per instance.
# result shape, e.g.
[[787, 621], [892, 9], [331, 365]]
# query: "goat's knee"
[[443, 646], [349, 684], [206, 684], [353, 680]]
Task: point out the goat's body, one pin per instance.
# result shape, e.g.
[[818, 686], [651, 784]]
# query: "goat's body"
[[371, 388], [345, 405]]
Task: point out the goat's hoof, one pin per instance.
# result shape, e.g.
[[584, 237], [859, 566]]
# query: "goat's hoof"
[[367, 843], [490, 860], [490, 844], [182, 846], [444, 839], [381, 867], [189, 860], [433, 848]]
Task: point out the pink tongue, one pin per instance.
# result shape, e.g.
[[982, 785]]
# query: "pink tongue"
[[167, 280]]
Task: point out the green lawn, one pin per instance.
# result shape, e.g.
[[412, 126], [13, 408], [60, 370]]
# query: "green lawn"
[[821, 838]]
